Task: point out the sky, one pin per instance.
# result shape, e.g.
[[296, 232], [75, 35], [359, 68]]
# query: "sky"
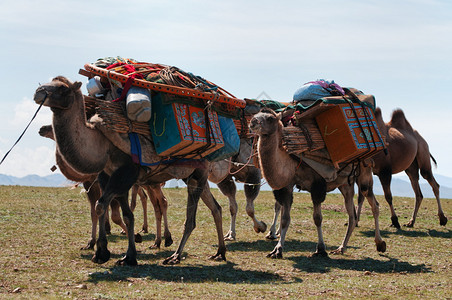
[[398, 51]]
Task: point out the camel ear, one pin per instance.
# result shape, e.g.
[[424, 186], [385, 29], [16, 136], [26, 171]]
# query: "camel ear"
[[278, 116], [76, 86]]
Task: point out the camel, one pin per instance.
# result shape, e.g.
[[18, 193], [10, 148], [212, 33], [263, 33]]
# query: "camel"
[[283, 172], [93, 191], [88, 150], [407, 151], [242, 170], [91, 186], [237, 167]]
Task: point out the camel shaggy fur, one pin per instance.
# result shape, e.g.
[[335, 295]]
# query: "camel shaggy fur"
[[283, 172], [407, 151], [89, 151]]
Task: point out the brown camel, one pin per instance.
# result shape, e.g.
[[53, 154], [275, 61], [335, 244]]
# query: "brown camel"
[[88, 151], [223, 173], [283, 171], [242, 170], [91, 186], [93, 191], [409, 152]]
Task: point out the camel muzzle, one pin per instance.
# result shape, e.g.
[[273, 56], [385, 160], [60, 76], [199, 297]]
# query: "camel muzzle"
[[41, 95]]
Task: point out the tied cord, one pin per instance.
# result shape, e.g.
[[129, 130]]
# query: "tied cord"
[[20, 137]]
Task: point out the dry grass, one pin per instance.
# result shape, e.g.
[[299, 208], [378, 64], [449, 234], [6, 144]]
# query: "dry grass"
[[44, 228]]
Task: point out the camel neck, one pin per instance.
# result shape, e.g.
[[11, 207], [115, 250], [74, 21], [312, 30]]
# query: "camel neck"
[[277, 165], [83, 148]]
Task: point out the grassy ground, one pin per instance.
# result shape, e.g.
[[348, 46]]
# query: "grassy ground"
[[44, 228]]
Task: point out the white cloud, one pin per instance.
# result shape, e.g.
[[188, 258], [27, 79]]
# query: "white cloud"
[[24, 111], [24, 161]]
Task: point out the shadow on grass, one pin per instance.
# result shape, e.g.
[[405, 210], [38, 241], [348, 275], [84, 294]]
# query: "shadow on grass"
[[266, 246], [326, 264], [224, 272], [410, 233]]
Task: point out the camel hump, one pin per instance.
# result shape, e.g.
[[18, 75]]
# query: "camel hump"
[[398, 120]]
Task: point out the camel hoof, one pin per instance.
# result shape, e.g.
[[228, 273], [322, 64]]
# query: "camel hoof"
[[230, 236], [410, 224], [381, 247], [261, 228], [155, 246], [172, 260], [138, 238], [320, 254], [144, 229], [277, 253], [101, 257], [442, 220], [271, 236], [168, 241], [90, 245], [395, 222], [127, 261], [218, 257], [338, 251]]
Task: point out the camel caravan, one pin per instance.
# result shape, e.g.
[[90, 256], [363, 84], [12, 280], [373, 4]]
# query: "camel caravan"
[[142, 124]]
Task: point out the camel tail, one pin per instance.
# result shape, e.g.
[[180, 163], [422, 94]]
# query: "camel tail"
[[434, 160]]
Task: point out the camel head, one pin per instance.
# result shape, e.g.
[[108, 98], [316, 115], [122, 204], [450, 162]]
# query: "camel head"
[[265, 122], [60, 93]]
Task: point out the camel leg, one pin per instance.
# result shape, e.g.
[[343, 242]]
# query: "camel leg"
[[385, 179], [158, 217], [381, 245], [163, 203], [348, 193], [93, 193], [127, 214], [318, 195], [160, 205], [252, 188], [144, 204], [195, 186], [435, 187], [360, 205], [273, 233], [116, 216], [365, 189], [138, 191], [215, 209], [229, 189], [116, 186], [285, 197], [413, 175]]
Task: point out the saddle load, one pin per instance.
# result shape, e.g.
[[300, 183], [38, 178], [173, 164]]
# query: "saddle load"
[[182, 116], [326, 116]]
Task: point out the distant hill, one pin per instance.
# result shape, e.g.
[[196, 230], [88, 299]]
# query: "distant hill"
[[54, 180], [400, 186]]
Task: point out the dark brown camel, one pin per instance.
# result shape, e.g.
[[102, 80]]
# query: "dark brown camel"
[[409, 152], [92, 188], [87, 150], [282, 172]]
